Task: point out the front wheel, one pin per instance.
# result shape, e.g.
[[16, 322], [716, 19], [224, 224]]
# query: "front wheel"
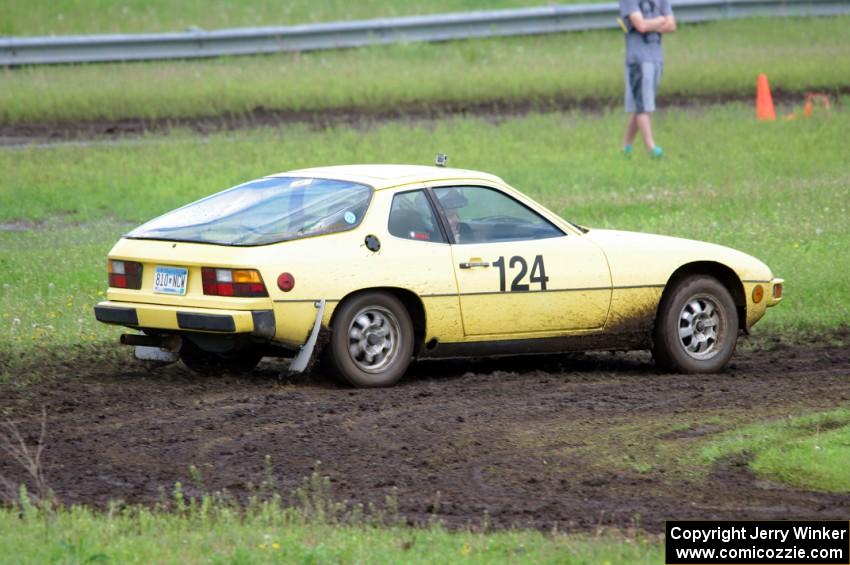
[[697, 327], [371, 340]]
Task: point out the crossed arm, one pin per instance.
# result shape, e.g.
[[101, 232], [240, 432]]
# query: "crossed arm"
[[661, 24]]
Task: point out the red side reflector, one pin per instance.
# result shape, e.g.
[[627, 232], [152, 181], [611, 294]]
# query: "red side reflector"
[[285, 282]]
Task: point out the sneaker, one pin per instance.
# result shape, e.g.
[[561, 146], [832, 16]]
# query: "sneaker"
[[628, 150], [657, 152]]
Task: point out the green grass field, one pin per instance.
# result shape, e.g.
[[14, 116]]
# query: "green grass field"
[[718, 59], [808, 451], [778, 191], [267, 534], [64, 17]]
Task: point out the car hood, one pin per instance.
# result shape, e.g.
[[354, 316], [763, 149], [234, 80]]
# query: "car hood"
[[648, 259]]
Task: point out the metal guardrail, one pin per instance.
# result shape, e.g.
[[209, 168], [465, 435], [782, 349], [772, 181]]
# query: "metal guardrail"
[[440, 27]]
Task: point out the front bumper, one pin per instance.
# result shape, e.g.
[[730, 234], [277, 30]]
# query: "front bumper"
[[774, 292], [260, 323], [760, 296]]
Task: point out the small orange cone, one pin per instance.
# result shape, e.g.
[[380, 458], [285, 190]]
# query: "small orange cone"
[[764, 101], [822, 98]]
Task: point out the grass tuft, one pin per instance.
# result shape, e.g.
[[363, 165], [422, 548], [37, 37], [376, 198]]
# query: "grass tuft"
[[807, 451], [141, 535]]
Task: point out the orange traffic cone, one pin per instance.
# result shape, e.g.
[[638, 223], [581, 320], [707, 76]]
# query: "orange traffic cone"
[[822, 98], [764, 101]]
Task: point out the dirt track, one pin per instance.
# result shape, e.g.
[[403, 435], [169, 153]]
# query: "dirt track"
[[536, 441], [108, 130]]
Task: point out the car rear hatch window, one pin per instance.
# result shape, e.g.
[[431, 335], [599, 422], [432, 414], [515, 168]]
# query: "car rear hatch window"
[[264, 211]]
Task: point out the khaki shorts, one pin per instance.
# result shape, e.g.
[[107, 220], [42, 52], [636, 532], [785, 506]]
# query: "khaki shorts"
[[642, 80]]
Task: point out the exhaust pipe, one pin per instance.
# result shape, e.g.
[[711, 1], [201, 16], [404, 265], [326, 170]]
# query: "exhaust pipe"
[[171, 343]]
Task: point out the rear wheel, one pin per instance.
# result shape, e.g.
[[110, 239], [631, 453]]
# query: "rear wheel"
[[211, 364], [697, 327], [371, 340]]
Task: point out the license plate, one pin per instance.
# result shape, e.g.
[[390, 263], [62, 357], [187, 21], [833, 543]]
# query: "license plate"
[[170, 280]]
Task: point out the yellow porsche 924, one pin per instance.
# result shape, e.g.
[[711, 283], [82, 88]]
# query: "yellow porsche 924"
[[372, 266]]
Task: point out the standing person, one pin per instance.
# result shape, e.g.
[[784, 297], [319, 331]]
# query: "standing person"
[[645, 22]]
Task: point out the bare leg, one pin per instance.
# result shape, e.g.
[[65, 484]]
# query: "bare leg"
[[645, 127], [631, 131]]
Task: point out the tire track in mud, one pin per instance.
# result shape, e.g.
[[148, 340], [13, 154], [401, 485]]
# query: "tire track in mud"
[[99, 131], [530, 441]]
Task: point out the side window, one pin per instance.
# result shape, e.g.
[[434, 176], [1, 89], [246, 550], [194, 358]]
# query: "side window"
[[411, 217], [484, 215]]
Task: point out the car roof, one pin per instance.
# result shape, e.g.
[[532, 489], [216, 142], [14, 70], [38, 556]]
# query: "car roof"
[[385, 176]]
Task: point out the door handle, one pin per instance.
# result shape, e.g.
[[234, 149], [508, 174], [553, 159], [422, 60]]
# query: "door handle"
[[472, 264]]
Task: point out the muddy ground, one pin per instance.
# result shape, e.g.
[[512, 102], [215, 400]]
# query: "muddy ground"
[[21, 134], [572, 442]]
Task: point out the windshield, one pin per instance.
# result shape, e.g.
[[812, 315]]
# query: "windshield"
[[264, 211]]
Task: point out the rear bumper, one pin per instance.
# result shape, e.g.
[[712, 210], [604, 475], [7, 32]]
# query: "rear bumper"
[[260, 323]]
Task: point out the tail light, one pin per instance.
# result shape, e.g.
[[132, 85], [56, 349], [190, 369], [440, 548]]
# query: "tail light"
[[233, 282], [125, 274]]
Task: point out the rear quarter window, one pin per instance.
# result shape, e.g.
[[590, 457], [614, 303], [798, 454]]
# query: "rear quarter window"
[[411, 217]]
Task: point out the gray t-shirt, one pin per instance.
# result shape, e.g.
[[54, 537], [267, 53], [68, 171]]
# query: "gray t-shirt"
[[644, 47]]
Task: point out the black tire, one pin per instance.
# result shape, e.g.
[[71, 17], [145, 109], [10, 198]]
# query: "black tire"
[[702, 308], [211, 364], [371, 341]]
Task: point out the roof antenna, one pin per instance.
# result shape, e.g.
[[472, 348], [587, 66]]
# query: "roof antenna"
[[442, 160]]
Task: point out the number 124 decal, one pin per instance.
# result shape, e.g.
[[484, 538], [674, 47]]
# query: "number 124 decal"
[[538, 273]]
